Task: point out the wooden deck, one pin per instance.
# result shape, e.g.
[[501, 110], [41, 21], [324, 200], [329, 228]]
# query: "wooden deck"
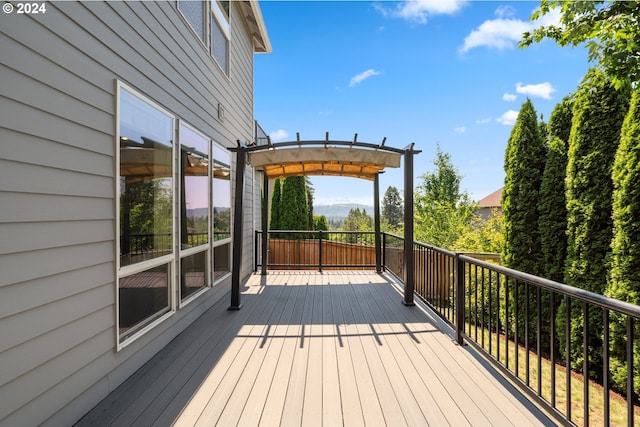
[[312, 349]]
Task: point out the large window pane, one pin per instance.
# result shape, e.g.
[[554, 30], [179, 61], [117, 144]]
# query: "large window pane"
[[193, 274], [221, 194], [146, 183], [221, 261], [142, 297], [194, 203]]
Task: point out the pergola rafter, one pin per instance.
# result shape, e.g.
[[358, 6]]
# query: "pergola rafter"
[[322, 158]]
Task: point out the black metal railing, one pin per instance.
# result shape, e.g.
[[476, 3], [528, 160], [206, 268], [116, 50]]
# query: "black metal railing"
[[521, 323]]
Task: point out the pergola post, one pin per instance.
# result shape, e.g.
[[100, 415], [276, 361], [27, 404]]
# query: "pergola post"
[[238, 227], [408, 227], [265, 222], [376, 220]]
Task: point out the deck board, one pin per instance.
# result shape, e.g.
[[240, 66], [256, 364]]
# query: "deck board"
[[312, 349]]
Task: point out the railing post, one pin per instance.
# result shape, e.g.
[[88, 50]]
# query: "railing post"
[[459, 299], [265, 223], [409, 273], [238, 227], [255, 250], [376, 219], [320, 252], [384, 250]]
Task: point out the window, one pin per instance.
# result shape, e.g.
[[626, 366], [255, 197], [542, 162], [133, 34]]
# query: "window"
[[174, 214], [221, 213], [194, 211], [194, 13], [145, 212], [220, 33]]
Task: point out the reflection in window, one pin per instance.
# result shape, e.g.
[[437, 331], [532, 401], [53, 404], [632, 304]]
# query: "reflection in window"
[[194, 204], [193, 273], [221, 212], [221, 194], [221, 261], [146, 184], [142, 297], [194, 211], [146, 212]]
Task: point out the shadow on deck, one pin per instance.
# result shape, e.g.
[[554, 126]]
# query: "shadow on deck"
[[309, 348]]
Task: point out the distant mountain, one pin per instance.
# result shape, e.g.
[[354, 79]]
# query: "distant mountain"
[[340, 211]]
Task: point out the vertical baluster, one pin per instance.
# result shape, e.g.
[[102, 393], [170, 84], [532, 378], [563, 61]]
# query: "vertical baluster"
[[585, 363], [630, 371], [539, 336], [567, 351], [526, 332], [605, 365], [552, 338]]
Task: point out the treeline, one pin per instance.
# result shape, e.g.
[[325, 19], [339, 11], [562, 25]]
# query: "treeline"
[[571, 204]]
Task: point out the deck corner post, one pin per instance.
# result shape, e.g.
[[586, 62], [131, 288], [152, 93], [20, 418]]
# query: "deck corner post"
[[459, 300], [409, 273], [265, 223], [238, 227], [376, 219]]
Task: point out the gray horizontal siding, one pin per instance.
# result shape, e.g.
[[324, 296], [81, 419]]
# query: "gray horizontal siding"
[[58, 185]]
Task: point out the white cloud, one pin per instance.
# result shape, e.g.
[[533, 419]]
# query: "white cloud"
[[419, 10], [484, 121], [509, 97], [505, 11], [460, 129], [540, 90], [505, 33], [508, 118], [279, 135], [363, 76]]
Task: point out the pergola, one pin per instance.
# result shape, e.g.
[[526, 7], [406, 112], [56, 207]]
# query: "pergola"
[[323, 158]]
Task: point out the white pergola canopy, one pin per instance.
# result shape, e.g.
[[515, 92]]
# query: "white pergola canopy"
[[329, 161]]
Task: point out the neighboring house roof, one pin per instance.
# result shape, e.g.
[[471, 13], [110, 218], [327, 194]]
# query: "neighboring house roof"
[[492, 200], [257, 28]]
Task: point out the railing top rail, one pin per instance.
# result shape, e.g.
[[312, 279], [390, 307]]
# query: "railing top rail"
[[577, 293], [317, 231]]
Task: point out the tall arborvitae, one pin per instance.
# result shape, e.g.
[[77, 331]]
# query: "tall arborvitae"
[[524, 166], [552, 204], [276, 206], [552, 219], [624, 278], [598, 113], [294, 213]]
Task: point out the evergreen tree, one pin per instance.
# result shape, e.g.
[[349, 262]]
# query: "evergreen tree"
[[294, 208], [392, 207], [597, 119], [311, 218], [624, 278], [276, 206], [524, 167], [320, 223], [552, 205]]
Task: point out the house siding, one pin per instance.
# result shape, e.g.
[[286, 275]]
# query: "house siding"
[[58, 183]]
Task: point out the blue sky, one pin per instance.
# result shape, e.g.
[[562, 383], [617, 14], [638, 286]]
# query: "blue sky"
[[436, 72]]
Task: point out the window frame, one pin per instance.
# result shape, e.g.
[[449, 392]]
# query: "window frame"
[[207, 248], [205, 22], [123, 340], [229, 240], [172, 260], [223, 21]]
